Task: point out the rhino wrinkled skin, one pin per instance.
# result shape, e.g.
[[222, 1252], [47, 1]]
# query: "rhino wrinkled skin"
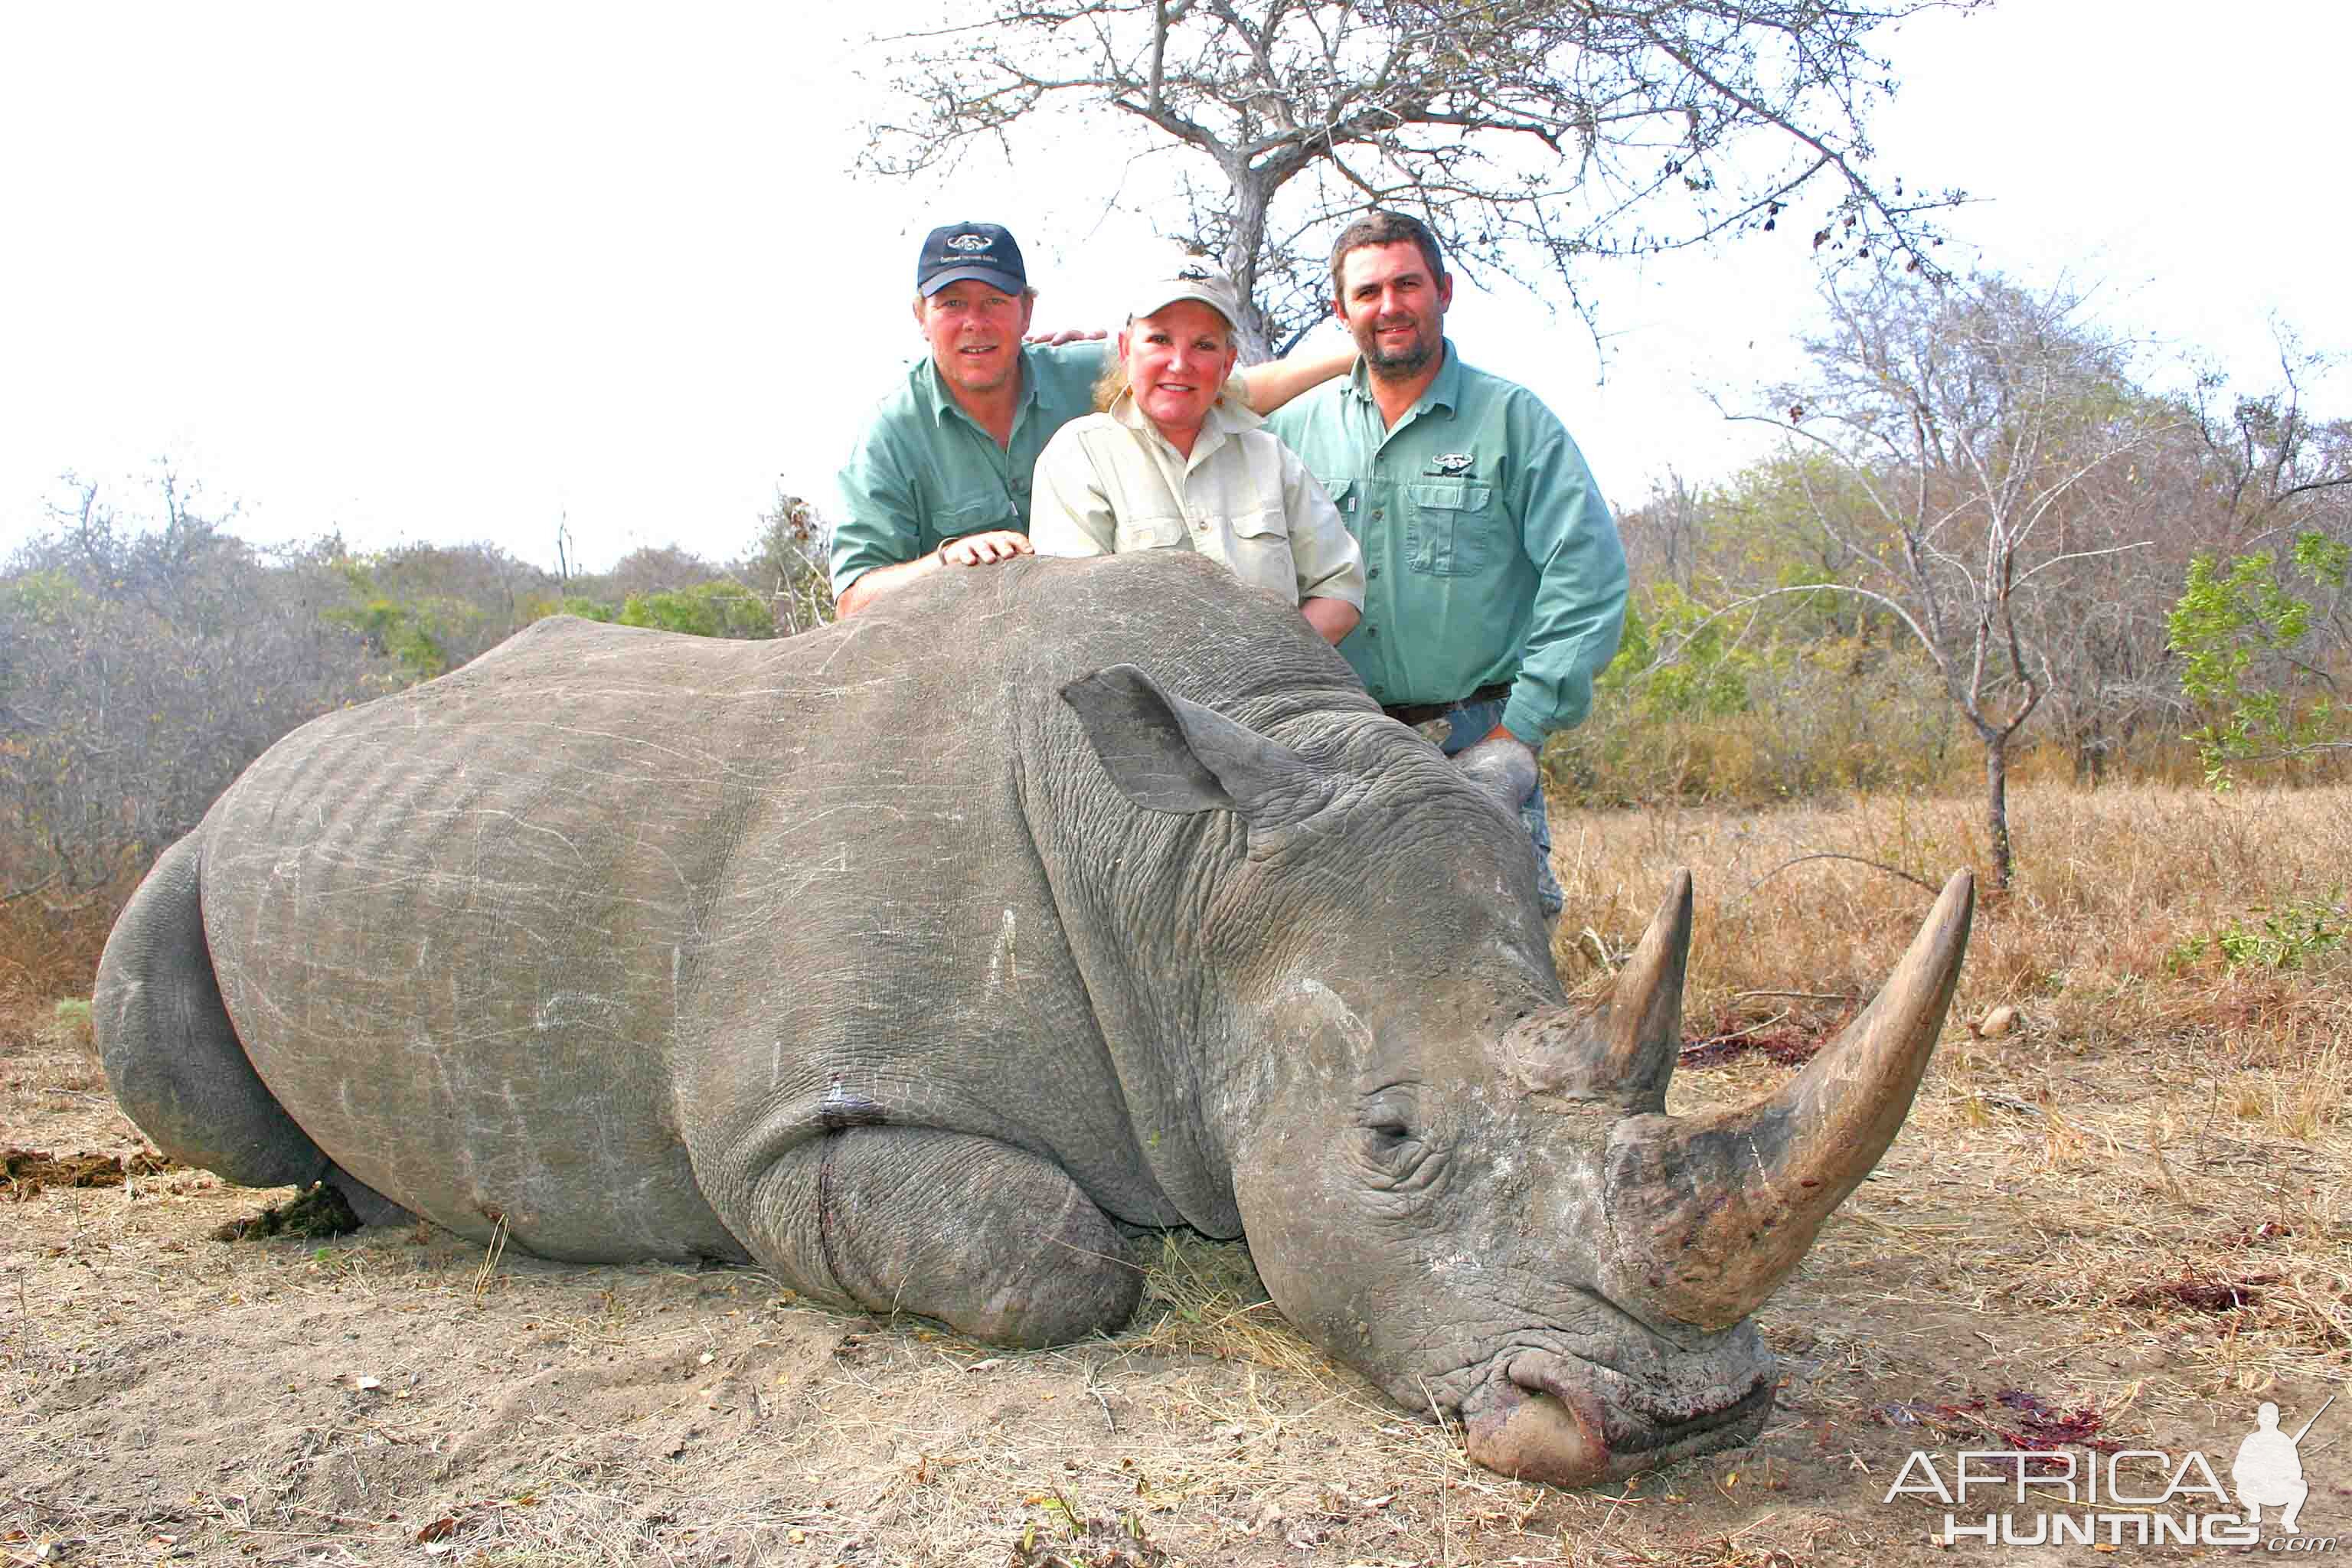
[[912, 958]]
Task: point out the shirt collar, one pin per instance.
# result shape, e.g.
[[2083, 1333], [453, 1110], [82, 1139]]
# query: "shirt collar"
[[937, 401], [1226, 417], [1445, 392]]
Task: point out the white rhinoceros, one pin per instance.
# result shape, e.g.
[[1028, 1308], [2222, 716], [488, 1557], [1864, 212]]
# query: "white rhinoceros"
[[913, 958]]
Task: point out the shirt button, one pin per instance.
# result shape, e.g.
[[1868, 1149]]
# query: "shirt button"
[[1371, 571]]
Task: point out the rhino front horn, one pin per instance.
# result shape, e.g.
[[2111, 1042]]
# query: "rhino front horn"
[[1717, 1209]]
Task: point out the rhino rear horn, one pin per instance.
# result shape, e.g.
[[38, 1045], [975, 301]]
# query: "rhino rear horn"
[[1168, 753], [1718, 1209], [1641, 1031], [1624, 1052]]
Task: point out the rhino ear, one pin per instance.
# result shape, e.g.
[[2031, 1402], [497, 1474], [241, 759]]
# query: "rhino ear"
[[1166, 753]]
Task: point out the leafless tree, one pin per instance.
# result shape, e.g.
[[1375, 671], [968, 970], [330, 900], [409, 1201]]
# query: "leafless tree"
[[140, 668], [2276, 470], [1534, 135], [1988, 431]]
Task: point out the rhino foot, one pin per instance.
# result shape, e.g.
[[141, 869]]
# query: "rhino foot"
[[368, 1206], [990, 1241]]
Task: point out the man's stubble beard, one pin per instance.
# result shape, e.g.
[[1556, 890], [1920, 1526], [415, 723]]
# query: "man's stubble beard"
[[1398, 366]]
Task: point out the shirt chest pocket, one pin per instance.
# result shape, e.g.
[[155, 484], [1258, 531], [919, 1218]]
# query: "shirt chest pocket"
[[1260, 553], [1451, 527], [1164, 531], [1347, 496]]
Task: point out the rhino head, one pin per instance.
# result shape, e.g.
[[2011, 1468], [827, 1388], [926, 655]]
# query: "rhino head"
[[1451, 1180]]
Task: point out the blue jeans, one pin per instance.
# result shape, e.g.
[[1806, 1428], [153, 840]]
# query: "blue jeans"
[[1471, 722]]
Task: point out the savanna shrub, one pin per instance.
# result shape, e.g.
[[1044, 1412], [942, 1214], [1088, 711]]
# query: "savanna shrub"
[[1775, 719]]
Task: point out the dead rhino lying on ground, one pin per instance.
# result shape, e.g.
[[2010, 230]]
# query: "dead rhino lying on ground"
[[906, 957]]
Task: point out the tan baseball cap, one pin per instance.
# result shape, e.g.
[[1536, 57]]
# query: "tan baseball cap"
[[1189, 277]]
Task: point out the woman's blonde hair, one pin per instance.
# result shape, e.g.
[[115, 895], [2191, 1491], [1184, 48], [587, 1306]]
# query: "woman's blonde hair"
[[1112, 382]]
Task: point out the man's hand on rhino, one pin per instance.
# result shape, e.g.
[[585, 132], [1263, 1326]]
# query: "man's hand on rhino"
[[985, 548], [1066, 335], [1502, 762]]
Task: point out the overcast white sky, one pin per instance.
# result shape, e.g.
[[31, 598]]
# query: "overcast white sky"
[[446, 273]]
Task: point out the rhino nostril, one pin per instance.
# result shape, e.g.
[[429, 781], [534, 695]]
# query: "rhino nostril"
[[1535, 1436]]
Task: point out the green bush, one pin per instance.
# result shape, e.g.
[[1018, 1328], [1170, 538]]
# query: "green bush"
[[720, 609]]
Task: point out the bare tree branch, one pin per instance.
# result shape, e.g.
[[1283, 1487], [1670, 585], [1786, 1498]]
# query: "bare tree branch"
[[1831, 855], [1536, 137]]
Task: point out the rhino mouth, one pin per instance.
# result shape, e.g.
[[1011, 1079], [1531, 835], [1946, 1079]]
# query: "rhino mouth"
[[1572, 1423], [1737, 1421]]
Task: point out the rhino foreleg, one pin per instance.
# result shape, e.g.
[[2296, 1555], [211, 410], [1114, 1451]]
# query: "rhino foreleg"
[[172, 1057], [995, 1242]]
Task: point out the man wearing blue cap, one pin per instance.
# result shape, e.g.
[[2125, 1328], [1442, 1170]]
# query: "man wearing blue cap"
[[940, 477]]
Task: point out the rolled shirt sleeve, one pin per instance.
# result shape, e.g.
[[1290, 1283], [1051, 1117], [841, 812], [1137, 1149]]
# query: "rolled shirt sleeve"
[[878, 524], [1572, 540]]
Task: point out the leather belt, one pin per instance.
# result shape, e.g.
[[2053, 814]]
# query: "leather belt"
[[1423, 713]]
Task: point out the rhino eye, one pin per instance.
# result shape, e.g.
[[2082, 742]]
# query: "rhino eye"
[[1393, 1146]]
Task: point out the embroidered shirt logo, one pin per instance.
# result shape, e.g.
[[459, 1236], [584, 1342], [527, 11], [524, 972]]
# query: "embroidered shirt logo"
[[1452, 463], [969, 242]]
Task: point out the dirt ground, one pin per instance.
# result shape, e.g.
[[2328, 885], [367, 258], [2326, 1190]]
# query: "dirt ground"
[[2132, 1249]]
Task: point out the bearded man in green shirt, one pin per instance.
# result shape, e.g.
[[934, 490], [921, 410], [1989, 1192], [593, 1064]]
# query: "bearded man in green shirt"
[[1494, 582], [942, 475]]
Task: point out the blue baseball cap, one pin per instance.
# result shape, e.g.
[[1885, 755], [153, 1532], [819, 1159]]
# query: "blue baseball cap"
[[975, 252]]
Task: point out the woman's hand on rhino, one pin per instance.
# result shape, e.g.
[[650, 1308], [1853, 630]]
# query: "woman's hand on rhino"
[[983, 549]]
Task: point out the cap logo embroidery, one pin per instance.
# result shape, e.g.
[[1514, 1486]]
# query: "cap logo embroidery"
[[1193, 274], [969, 242], [1453, 463]]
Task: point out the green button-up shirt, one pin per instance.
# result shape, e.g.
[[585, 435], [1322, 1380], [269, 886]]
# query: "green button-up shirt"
[[924, 471], [1489, 555]]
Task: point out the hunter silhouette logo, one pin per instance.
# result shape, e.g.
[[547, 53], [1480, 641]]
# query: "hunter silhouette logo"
[[2268, 1472], [1193, 274]]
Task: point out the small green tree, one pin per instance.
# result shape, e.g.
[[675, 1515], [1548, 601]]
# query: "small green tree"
[[2238, 631], [419, 633], [719, 609], [587, 609]]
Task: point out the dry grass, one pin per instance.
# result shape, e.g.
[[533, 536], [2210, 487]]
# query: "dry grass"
[[49, 948], [2129, 1206], [2092, 945]]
